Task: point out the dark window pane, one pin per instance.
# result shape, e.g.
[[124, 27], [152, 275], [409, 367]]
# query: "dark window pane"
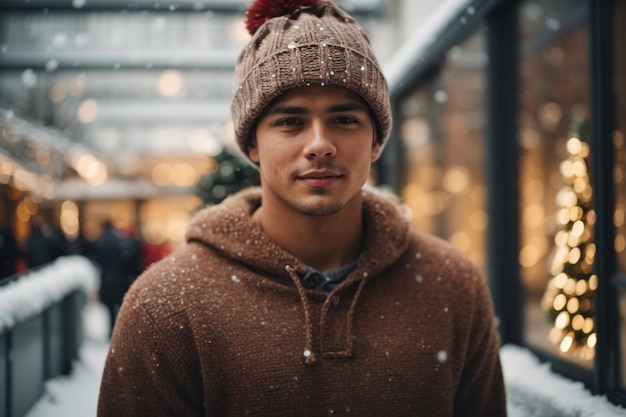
[[442, 129], [557, 251]]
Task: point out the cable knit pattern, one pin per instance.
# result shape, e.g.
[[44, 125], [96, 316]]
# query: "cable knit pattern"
[[220, 328]]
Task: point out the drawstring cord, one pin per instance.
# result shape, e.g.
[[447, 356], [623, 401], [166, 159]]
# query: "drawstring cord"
[[349, 324], [308, 354]]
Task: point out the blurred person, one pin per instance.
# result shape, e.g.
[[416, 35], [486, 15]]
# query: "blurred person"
[[153, 252], [118, 257], [43, 243], [310, 295], [9, 253]]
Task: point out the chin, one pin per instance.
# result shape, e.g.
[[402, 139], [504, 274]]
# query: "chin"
[[318, 208]]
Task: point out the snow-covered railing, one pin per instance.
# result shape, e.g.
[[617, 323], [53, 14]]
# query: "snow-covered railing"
[[533, 390], [33, 292], [41, 328]]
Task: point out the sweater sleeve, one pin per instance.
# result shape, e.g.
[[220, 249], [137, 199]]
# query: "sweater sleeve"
[[150, 369], [481, 390]]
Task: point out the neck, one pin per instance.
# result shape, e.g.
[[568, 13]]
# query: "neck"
[[323, 242]]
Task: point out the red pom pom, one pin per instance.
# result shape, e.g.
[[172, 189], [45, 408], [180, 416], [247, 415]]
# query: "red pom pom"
[[262, 10]]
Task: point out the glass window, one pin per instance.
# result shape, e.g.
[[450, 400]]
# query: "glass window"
[[442, 130], [619, 172], [619, 140], [557, 250]]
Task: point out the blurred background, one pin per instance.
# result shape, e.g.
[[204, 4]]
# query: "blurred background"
[[121, 109], [509, 141]]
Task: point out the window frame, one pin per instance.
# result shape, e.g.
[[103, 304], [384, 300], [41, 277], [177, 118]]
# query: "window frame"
[[503, 84]]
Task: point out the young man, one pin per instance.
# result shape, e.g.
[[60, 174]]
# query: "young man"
[[308, 296]]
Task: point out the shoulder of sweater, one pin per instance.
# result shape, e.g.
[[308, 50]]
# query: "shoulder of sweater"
[[177, 278], [437, 258]]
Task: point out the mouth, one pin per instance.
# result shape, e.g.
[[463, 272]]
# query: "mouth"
[[319, 178]]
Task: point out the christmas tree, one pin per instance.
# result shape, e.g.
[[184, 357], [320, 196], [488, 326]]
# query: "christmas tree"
[[232, 174], [570, 294]]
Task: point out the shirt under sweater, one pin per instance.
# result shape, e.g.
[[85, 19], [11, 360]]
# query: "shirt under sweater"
[[225, 327]]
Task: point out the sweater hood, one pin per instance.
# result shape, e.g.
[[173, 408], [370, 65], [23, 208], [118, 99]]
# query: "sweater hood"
[[228, 228]]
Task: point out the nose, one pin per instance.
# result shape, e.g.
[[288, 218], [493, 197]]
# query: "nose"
[[318, 142]]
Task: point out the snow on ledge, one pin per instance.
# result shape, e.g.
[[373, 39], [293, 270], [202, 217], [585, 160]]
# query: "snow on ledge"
[[33, 292], [533, 390]]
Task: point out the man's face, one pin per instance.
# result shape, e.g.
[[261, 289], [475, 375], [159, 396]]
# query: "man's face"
[[314, 146]]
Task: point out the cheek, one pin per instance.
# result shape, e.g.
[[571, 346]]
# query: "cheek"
[[274, 158]]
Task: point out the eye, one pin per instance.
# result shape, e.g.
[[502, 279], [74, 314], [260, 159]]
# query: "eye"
[[288, 121], [345, 120]]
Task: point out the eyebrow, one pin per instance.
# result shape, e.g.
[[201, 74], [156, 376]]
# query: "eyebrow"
[[339, 108]]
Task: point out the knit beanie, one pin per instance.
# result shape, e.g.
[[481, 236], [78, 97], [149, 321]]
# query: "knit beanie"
[[299, 43]]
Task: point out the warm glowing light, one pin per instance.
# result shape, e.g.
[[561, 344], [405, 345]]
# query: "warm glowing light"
[[578, 228], [69, 218], [567, 169], [592, 340], [562, 216], [529, 256], [99, 177], [560, 238], [593, 282], [415, 132], [619, 215], [87, 111], [576, 213], [533, 215], [574, 256], [570, 286], [562, 320], [456, 180], [161, 174], [555, 335], [478, 220], [581, 287], [184, 175], [588, 326], [566, 198], [559, 302], [572, 305], [560, 280], [462, 240], [590, 253], [170, 83], [550, 115], [574, 146], [578, 322], [620, 243], [566, 343], [176, 226]]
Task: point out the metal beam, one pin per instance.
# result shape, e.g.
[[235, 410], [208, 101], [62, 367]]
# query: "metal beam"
[[354, 7], [140, 111], [227, 6], [115, 60]]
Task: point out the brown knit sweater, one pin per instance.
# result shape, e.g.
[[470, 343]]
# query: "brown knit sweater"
[[223, 327]]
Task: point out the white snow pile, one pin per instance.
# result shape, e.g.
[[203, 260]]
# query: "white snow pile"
[[35, 291], [533, 390]]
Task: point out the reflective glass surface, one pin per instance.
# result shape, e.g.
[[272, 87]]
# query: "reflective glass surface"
[[442, 131], [557, 249]]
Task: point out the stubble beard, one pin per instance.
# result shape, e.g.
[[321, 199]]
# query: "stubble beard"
[[318, 209]]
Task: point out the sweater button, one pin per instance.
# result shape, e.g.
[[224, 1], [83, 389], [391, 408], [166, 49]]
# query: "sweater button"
[[335, 300]]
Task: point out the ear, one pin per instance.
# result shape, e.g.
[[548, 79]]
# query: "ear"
[[253, 154], [253, 150], [377, 148]]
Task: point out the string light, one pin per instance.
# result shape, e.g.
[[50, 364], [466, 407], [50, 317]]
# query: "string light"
[[570, 293]]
